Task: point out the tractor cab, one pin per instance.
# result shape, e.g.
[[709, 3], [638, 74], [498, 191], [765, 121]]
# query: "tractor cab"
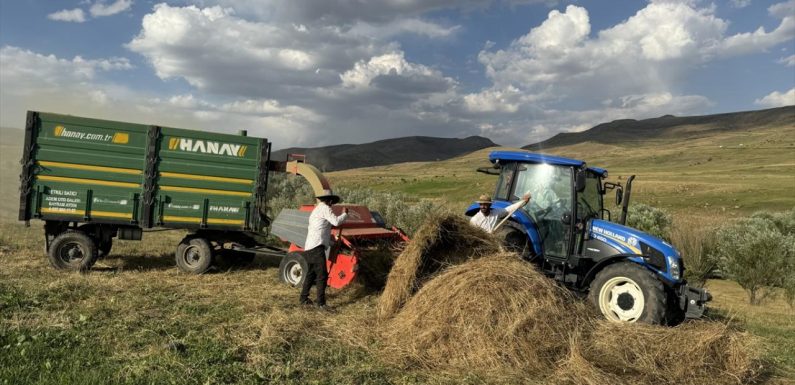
[[566, 230], [556, 206]]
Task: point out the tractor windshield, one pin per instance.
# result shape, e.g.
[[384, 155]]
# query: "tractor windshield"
[[550, 188], [589, 202]]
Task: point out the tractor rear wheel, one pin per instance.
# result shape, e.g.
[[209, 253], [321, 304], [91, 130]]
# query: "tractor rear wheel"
[[626, 292], [194, 255], [72, 250], [292, 269]]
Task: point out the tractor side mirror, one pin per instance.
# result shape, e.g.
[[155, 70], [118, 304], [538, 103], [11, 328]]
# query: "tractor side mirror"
[[580, 181], [619, 195], [493, 170]]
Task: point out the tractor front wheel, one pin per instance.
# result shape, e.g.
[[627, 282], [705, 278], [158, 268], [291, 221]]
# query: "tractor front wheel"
[[292, 269], [626, 292]]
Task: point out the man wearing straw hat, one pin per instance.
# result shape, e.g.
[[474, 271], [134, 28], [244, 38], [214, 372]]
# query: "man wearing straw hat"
[[487, 217], [318, 242]]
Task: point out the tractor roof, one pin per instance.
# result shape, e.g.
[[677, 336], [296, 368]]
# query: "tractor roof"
[[531, 157]]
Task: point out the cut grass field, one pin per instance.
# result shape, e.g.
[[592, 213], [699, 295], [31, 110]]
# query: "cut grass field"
[[136, 319]]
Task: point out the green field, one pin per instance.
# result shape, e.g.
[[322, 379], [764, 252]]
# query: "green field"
[[729, 174], [136, 319]]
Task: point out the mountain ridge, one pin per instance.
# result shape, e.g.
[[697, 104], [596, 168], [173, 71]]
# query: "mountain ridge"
[[670, 127], [384, 152]]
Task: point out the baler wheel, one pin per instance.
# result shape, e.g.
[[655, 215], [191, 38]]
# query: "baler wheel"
[[194, 255], [292, 269]]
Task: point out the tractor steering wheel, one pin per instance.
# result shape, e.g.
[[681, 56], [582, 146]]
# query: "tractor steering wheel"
[[545, 211]]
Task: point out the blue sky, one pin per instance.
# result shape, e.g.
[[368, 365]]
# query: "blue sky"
[[309, 73]]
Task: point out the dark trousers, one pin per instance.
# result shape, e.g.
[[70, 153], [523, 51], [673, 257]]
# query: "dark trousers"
[[316, 274]]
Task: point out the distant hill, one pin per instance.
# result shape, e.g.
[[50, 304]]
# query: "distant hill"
[[385, 152], [672, 127]]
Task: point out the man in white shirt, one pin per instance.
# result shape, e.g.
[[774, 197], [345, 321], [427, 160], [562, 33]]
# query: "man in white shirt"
[[487, 217], [318, 240]]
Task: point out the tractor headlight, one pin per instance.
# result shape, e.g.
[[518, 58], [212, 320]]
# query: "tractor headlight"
[[673, 267]]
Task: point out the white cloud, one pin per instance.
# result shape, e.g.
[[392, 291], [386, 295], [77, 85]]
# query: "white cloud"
[[101, 9], [69, 15], [761, 40], [194, 43], [32, 81], [777, 99], [788, 61], [20, 63], [740, 3], [345, 12], [414, 26], [364, 72]]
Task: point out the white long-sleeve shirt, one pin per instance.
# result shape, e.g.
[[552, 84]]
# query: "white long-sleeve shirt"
[[320, 222], [489, 222]]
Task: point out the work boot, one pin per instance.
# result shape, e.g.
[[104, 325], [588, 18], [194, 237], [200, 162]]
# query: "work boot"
[[306, 302], [325, 308]]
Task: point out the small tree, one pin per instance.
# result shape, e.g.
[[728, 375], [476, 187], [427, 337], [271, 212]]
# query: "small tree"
[[757, 255], [649, 219]]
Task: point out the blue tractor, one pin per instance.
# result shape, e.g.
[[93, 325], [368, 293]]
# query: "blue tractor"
[[630, 276]]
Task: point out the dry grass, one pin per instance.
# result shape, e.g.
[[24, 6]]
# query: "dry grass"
[[695, 353], [494, 312], [443, 240]]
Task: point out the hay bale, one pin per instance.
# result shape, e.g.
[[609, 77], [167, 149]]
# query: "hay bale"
[[443, 240], [696, 352], [496, 312]]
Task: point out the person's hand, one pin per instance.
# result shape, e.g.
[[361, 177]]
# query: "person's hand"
[[345, 210], [526, 198]]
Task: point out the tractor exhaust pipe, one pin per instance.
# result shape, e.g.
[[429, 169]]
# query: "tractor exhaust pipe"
[[625, 201]]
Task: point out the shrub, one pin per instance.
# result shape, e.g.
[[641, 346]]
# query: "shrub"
[[695, 238], [784, 221], [756, 254], [649, 219], [397, 209]]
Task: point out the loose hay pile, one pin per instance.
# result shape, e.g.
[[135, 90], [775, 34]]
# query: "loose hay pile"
[[442, 241], [490, 312], [499, 315], [697, 352]]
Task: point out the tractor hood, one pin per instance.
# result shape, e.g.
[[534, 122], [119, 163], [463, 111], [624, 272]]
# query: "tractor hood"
[[652, 250]]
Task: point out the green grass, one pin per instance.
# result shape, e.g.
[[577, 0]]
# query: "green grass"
[[712, 175]]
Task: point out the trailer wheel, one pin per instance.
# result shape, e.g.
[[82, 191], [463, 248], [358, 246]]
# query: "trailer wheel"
[[292, 269], [194, 255], [72, 250], [626, 292]]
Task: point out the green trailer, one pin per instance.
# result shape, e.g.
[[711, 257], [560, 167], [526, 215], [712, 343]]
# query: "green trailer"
[[94, 180]]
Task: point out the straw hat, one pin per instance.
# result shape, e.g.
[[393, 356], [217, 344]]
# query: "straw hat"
[[484, 199], [328, 195]]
